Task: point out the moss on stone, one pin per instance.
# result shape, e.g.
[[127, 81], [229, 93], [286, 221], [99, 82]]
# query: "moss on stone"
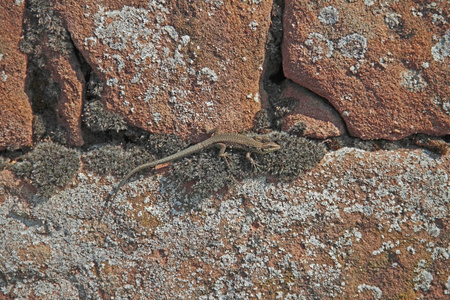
[[22, 168], [98, 119], [114, 159], [49, 166], [2, 163], [296, 156], [204, 173], [209, 173], [164, 145]]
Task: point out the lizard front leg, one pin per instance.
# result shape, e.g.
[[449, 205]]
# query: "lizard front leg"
[[223, 154]]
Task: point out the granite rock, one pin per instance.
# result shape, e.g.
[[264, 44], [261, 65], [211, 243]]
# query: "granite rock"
[[318, 119], [361, 224], [383, 65], [171, 66], [16, 117]]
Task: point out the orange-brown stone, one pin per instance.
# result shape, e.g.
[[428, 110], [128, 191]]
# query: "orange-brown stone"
[[383, 66], [171, 66], [319, 118], [16, 117]]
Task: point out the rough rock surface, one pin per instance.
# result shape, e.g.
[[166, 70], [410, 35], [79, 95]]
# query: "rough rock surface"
[[319, 118], [49, 46], [370, 225], [171, 66], [383, 65], [358, 224], [16, 117]]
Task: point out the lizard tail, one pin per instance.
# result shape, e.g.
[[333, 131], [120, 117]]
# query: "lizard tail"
[[111, 196]]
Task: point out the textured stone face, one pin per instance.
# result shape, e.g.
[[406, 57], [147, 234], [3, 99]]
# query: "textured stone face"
[[172, 66], [383, 66], [319, 119], [15, 111], [367, 225], [313, 220]]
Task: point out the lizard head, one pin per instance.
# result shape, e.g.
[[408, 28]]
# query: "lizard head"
[[269, 147]]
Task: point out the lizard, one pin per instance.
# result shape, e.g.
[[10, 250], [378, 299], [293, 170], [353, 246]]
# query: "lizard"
[[221, 140]]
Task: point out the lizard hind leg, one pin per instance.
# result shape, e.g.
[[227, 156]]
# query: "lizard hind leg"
[[226, 158], [254, 164]]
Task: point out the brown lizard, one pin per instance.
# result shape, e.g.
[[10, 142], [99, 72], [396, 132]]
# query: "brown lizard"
[[221, 140]]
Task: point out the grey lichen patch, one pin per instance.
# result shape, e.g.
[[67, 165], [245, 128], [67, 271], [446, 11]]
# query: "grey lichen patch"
[[329, 15], [262, 240], [318, 46], [158, 47], [424, 278], [376, 291], [161, 47], [114, 159], [442, 49], [296, 156], [49, 166], [392, 20], [117, 28], [98, 119], [413, 81], [443, 103], [353, 45], [447, 286]]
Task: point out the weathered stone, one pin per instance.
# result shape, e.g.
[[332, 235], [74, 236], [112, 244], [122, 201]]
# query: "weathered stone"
[[384, 66], [319, 118], [48, 44], [16, 116], [171, 66], [359, 225], [65, 70]]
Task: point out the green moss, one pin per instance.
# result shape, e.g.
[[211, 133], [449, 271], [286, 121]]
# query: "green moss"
[[43, 26], [49, 166], [38, 127], [284, 106], [346, 141], [164, 145], [22, 168], [296, 156], [98, 119], [262, 120], [298, 129], [44, 93], [204, 173], [209, 173], [114, 159]]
